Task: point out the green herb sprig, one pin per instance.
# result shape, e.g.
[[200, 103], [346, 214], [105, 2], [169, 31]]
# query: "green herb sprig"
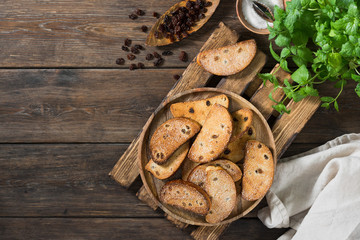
[[333, 27]]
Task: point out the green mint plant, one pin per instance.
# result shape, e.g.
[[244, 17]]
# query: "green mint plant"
[[333, 27]]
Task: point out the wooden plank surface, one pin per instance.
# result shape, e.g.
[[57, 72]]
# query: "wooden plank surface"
[[120, 228], [82, 33]]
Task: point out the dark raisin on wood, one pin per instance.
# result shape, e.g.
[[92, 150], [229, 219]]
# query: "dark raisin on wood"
[[124, 48], [250, 131], [176, 77], [149, 57], [133, 16], [227, 151], [127, 42], [140, 12], [191, 110], [131, 56], [135, 50], [156, 15], [132, 67], [120, 61], [144, 28], [156, 55], [158, 62], [141, 66], [167, 53], [183, 56], [208, 103], [139, 47]]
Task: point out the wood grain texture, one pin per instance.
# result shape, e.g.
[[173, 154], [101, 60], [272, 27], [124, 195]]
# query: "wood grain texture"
[[144, 196], [289, 125], [78, 105], [125, 170], [81, 33], [64, 180], [261, 99], [120, 228]]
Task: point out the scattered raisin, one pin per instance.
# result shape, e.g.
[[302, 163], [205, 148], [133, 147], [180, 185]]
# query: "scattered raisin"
[[133, 16], [149, 57], [156, 55], [131, 56], [120, 61], [167, 53], [144, 28], [156, 15], [140, 12], [176, 77], [141, 66], [132, 67], [139, 47], [124, 48], [208, 103], [127, 42], [134, 50], [158, 62], [191, 110], [183, 56]]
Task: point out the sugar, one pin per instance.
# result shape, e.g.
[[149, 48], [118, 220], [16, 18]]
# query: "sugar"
[[253, 18]]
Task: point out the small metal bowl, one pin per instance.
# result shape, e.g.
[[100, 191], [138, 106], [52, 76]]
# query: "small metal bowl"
[[247, 25]]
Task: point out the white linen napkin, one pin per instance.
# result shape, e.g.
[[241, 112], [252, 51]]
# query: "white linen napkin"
[[317, 193]]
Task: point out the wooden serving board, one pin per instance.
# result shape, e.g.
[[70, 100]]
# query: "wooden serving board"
[[285, 128]]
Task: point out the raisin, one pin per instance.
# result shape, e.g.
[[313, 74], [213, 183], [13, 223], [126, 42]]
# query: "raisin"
[[183, 56], [246, 118], [201, 16], [167, 53], [127, 42], [139, 47], [133, 16], [131, 56], [176, 77], [158, 62], [250, 131], [208, 103], [132, 67], [235, 120], [140, 12], [120, 61], [259, 146], [124, 48], [141, 66], [156, 15], [266, 156], [208, 4], [149, 57], [191, 110], [134, 50], [156, 55], [227, 151], [144, 28]]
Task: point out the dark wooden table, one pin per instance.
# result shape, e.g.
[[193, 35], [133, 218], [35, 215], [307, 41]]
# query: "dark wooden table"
[[68, 112]]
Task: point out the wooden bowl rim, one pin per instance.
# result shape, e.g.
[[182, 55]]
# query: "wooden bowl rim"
[[243, 21], [142, 142]]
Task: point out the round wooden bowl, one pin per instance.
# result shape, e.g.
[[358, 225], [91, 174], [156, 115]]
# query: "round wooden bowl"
[[153, 185], [243, 21]]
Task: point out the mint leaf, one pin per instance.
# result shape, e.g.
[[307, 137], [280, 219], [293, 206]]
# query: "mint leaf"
[[285, 53], [327, 99], [336, 106], [284, 65], [311, 91], [282, 40], [273, 53], [357, 89], [355, 77], [325, 105], [301, 75], [281, 108]]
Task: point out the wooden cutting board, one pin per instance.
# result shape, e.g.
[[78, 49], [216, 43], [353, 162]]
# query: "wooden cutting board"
[[284, 128]]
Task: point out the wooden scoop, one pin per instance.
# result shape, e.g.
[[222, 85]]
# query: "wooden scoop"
[[153, 41]]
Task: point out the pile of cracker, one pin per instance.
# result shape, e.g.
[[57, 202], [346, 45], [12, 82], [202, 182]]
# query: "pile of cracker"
[[220, 157]]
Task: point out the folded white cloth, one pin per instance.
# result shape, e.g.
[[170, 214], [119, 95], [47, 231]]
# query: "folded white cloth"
[[317, 193]]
